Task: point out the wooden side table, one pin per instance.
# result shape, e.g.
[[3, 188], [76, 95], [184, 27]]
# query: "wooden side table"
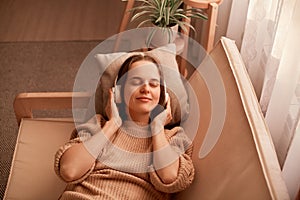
[[210, 7]]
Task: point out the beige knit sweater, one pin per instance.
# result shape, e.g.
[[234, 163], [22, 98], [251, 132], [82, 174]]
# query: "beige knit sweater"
[[124, 169]]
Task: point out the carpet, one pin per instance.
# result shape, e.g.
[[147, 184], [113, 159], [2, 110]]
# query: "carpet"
[[33, 67]]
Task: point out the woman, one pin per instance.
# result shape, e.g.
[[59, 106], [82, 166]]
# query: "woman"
[[130, 155]]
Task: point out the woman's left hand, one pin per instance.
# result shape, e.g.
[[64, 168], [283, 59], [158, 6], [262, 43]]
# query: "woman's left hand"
[[162, 119], [165, 159]]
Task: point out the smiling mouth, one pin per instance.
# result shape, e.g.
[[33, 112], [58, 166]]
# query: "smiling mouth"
[[144, 99]]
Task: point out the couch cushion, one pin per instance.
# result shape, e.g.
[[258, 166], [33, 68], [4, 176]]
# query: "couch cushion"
[[32, 174]]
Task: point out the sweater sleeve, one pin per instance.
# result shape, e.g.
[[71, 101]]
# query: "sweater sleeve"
[[60, 153], [79, 135], [182, 145]]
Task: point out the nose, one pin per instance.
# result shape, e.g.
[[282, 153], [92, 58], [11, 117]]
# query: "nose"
[[145, 88]]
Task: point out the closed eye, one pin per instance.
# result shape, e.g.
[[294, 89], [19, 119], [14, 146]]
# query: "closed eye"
[[154, 83], [137, 81]]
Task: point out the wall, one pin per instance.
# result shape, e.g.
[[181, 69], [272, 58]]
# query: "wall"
[[59, 20]]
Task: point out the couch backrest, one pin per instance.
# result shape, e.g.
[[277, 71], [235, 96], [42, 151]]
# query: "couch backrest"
[[242, 164]]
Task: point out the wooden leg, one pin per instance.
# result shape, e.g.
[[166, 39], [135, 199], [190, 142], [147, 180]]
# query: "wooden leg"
[[182, 64], [124, 22], [212, 12], [126, 16]]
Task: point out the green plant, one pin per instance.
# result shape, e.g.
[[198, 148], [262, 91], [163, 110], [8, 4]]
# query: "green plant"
[[165, 13]]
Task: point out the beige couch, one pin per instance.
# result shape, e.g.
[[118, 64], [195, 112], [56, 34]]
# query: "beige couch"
[[242, 164]]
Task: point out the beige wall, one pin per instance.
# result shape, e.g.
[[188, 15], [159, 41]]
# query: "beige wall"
[[223, 18], [48, 20], [54, 20]]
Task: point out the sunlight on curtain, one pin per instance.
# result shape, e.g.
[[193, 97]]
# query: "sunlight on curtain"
[[268, 27], [283, 109], [282, 27], [270, 49], [262, 43]]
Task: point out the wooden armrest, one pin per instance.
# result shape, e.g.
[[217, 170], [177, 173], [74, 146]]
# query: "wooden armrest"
[[25, 103]]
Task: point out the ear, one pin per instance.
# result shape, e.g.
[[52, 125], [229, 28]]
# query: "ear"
[[117, 93]]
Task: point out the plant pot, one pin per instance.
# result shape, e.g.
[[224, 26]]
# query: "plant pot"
[[162, 36]]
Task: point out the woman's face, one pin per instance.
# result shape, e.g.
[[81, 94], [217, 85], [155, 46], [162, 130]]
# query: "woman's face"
[[142, 88]]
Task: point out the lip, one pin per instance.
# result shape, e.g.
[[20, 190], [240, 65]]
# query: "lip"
[[144, 99]]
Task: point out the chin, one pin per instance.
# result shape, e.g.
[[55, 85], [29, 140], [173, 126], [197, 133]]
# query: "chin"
[[144, 109]]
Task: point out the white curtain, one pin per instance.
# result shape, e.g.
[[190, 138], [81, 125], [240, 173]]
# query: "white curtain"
[[271, 52], [263, 41]]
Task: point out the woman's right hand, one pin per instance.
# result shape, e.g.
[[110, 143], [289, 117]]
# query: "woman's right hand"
[[112, 111]]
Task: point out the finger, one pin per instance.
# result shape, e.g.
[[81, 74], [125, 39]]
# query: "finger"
[[168, 104], [111, 96], [169, 112], [108, 108], [112, 102]]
